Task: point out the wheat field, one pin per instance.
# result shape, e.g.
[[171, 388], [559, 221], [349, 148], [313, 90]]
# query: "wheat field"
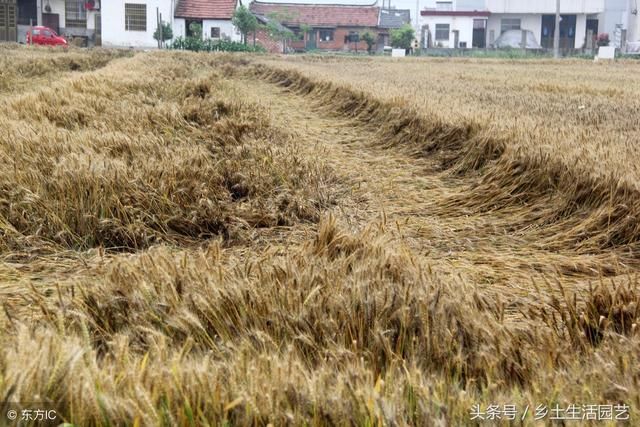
[[217, 239]]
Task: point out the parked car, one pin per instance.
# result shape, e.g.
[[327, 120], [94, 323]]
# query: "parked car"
[[45, 36]]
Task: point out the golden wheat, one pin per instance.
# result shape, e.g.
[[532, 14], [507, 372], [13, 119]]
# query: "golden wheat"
[[194, 239]]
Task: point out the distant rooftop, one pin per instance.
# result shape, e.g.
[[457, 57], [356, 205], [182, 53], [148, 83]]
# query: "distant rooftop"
[[205, 9], [319, 15], [394, 18]]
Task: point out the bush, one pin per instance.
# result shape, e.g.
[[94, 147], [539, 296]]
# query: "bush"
[[603, 39], [209, 45], [370, 40], [402, 37], [167, 32]]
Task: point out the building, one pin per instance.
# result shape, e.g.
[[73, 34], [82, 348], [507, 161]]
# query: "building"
[[473, 23], [445, 25], [134, 22], [391, 19], [8, 18], [577, 18], [325, 27], [261, 36], [75, 19], [213, 16], [620, 19]]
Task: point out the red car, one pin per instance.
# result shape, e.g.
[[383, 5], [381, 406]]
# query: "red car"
[[45, 36]]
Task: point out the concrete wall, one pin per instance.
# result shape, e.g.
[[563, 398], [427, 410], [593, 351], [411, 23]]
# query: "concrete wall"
[[633, 34], [615, 13], [531, 22], [113, 23], [457, 4], [571, 7], [57, 7]]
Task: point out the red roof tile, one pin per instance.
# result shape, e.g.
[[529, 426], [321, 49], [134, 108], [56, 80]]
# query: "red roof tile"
[[320, 15], [205, 9]]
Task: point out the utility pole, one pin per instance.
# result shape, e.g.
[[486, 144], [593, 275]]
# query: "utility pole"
[[556, 32]]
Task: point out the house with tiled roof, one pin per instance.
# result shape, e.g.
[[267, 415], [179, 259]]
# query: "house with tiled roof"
[[213, 16], [132, 23], [324, 27]]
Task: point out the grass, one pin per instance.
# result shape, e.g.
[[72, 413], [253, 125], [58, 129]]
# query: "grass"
[[196, 239]]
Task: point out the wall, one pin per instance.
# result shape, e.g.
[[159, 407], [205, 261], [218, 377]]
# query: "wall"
[[57, 7], [113, 23], [633, 34], [581, 31], [457, 4], [529, 22], [263, 39], [534, 23], [615, 13], [338, 39], [464, 24], [545, 6]]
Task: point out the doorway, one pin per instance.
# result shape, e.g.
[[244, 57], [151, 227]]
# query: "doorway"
[[592, 25], [311, 39], [8, 21], [567, 31], [479, 33], [193, 28]]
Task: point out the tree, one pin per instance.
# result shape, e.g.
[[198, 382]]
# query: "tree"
[[402, 37], [244, 21], [370, 40], [305, 29], [279, 32], [196, 30], [165, 30]]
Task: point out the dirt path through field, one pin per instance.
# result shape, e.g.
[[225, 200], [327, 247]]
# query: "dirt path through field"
[[410, 193]]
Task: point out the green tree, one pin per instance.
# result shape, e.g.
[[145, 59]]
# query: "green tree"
[[370, 40], [244, 21], [402, 37], [196, 30], [163, 32], [279, 32], [304, 29]]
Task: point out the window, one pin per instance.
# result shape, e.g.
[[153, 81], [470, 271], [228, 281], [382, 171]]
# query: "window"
[[27, 12], [215, 32], [442, 31], [135, 17], [509, 24], [326, 35], [75, 14], [444, 5]]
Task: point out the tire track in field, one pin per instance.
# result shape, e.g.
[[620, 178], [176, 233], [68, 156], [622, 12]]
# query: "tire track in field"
[[410, 194]]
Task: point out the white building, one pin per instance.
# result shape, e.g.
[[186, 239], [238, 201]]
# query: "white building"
[[539, 18], [71, 18], [478, 23], [133, 22], [618, 17], [213, 16], [454, 28]]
